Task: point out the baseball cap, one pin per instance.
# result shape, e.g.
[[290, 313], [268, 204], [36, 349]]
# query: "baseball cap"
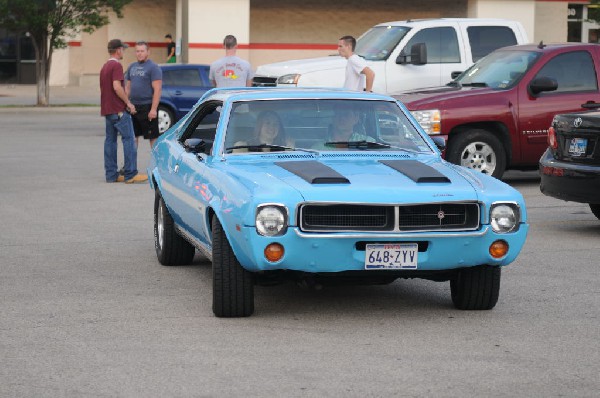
[[115, 44]]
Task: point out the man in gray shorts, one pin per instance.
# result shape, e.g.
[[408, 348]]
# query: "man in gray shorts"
[[231, 70], [143, 85]]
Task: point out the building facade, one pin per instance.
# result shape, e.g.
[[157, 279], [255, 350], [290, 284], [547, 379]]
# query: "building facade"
[[272, 30]]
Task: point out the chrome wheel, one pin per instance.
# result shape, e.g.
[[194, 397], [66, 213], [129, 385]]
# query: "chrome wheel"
[[165, 120], [479, 156], [160, 226]]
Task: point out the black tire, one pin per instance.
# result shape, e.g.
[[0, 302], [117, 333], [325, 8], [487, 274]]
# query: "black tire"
[[476, 288], [171, 248], [233, 286], [595, 208], [479, 150], [165, 118]]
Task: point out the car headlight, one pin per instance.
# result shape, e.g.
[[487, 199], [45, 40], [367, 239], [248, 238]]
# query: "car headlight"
[[289, 79], [504, 217], [271, 220], [430, 120]]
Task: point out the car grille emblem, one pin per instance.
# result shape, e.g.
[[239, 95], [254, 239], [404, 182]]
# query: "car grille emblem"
[[441, 214], [577, 122]]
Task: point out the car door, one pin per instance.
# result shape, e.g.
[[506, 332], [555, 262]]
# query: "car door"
[[188, 175], [575, 74], [443, 57], [185, 86]]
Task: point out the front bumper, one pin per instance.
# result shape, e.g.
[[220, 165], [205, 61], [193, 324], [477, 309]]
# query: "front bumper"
[[569, 181], [337, 252]]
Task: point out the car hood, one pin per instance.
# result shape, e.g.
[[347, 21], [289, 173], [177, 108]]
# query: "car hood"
[[437, 96], [301, 66], [367, 180]]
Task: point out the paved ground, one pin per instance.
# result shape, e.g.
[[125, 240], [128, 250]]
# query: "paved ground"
[[25, 94], [87, 311]]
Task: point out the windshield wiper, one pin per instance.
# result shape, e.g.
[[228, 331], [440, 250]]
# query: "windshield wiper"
[[356, 144], [475, 84], [261, 146]]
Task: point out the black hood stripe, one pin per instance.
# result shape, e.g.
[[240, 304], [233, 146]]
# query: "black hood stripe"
[[314, 172], [416, 171]]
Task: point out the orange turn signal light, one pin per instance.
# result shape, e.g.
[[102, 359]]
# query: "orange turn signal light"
[[274, 252], [498, 249]]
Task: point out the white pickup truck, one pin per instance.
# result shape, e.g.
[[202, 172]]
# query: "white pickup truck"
[[405, 55]]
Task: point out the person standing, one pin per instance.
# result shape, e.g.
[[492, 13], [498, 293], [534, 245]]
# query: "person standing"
[[231, 70], [359, 77], [171, 58], [143, 85], [116, 108]]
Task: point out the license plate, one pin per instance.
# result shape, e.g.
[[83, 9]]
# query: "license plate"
[[391, 256], [578, 146]]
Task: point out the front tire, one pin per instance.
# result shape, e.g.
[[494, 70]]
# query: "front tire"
[[171, 248], [476, 288], [479, 150], [233, 286], [165, 119], [595, 208]]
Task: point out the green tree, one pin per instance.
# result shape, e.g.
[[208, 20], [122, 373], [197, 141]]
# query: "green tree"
[[49, 24], [594, 10]]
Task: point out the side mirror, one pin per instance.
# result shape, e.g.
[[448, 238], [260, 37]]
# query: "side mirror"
[[418, 55], [197, 145], [541, 84], [440, 142], [455, 74]]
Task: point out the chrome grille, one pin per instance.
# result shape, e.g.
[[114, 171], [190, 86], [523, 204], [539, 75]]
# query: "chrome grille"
[[262, 81], [389, 218]]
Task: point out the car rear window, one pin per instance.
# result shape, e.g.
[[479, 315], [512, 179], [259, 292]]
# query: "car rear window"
[[485, 39], [182, 77]]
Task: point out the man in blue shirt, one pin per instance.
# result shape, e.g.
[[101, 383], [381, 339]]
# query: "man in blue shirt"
[[143, 85]]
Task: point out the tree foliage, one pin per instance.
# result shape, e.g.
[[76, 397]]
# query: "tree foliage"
[[594, 11], [51, 22]]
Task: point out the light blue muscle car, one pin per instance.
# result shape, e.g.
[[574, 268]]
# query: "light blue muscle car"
[[325, 186]]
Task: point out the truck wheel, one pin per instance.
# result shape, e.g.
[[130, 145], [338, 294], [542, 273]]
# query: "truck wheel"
[[595, 208], [171, 248], [478, 150], [233, 286], [165, 119], [476, 288]]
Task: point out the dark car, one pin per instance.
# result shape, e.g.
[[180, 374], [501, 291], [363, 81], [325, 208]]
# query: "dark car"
[[570, 167], [183, 85]]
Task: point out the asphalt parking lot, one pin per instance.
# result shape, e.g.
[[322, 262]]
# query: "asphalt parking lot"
[[86, 310]]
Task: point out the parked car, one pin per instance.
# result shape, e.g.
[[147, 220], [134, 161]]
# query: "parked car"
[[570, 167], [183, 85], [393, 50], [353, 190], [495, 115]]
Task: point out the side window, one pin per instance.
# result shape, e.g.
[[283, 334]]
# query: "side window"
[[182, 77], [573, 71], [441, 43], [485, 39], [204, 124]]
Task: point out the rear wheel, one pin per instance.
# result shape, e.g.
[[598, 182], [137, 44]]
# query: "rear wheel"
[[165, 119], [171, 248], [479, 150], [595, 208], [476, 288], [233, 286]]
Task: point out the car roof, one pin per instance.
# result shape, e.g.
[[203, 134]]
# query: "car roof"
[[436, 21], [183, 66], [543, 47], [268, 93]]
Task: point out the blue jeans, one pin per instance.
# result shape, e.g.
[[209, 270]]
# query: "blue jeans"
[[114, 126]]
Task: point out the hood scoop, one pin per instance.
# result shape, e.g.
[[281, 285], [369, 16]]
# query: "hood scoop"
[[314, 172], [416, 171]]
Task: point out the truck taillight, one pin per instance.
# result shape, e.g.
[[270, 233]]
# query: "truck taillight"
[[552, 141]]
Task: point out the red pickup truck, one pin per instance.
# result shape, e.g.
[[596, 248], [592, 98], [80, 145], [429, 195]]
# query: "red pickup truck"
[[496, 114]]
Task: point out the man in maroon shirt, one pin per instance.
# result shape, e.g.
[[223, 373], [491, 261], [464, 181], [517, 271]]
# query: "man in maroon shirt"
[[116, 109]]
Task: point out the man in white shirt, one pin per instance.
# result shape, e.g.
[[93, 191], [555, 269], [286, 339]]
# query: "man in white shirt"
[[231, 70], [359, 76]]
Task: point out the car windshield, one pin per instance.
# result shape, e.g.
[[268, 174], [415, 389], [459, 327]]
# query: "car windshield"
[[378, 43], [320, 125], [498, 70]]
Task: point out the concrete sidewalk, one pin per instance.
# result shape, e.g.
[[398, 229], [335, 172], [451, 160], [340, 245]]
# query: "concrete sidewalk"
[[26, 95]]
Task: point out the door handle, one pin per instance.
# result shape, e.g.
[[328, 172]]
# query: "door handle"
[[177, 92], [590, 105]]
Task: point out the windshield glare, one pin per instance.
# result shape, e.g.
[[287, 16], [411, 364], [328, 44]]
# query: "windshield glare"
[[499, 70], [378, 43], [320, 125]]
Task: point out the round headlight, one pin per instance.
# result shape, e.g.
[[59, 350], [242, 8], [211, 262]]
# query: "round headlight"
[[270, 221], [504, 218]]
